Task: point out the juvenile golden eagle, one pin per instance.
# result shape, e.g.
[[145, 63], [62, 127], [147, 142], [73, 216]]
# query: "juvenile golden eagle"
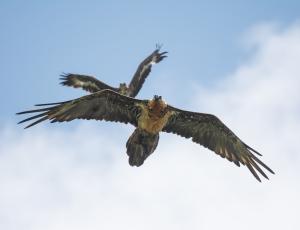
[[93, 85], [151, 117]]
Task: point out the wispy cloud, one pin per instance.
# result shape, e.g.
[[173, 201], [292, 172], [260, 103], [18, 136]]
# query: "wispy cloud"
[[80, 179]]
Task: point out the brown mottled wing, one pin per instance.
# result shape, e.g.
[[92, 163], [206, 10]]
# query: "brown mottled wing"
[[104, 105], [143, 71], [209, 131], [85, 82]]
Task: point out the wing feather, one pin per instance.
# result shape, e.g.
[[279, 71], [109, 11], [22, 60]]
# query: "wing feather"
[[85, 82], [104, 105], [209, 131], [143, 71]]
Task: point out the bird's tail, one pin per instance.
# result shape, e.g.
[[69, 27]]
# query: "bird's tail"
[[140, 145]]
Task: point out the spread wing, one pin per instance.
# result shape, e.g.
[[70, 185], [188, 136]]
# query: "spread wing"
[[209, 131], [103, 105], [143, 71], [85, 82]]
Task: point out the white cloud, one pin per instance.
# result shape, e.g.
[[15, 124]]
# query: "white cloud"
[[80, 179]]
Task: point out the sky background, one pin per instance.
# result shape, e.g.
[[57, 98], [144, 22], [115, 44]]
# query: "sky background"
[[238, 60]]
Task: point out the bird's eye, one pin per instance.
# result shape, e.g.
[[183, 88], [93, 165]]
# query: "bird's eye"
[[162, 112], [151, 109]]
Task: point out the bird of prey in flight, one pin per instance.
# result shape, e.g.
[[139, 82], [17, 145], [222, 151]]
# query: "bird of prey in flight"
[[150, 117], [93, 85]]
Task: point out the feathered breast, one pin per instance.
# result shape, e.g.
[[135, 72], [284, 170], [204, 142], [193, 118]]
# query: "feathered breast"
[[154, 120]]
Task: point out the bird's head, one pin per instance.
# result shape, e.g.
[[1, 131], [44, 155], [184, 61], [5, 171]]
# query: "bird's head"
[[157, 98], [157, 107], [123, 88]]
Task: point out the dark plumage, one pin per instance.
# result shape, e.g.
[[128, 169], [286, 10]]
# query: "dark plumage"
[[92, 85], [151, 117], [140, 145]]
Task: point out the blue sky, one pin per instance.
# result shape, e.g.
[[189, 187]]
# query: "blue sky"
[[40, 40], [238, 60]]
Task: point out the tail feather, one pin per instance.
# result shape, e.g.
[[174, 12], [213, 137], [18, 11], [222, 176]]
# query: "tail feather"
[[140, 145]]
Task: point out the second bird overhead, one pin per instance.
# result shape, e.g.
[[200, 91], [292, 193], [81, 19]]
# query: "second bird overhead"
[[91, 84]]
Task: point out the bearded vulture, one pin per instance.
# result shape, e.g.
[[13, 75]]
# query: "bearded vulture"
[[93, 85], [151, 117]]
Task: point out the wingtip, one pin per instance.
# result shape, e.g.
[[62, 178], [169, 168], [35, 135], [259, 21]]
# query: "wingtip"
[[266, 177], [257, 178], [158, 46], [23, 112], [271, 171], [28, 126], [253, 150], [63, 74], [56, 103], [20, 122]]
